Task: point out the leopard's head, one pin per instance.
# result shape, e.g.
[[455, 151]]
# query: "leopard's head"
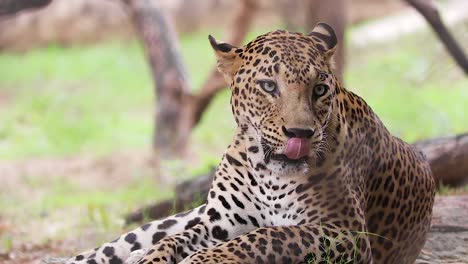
[[283, 89]]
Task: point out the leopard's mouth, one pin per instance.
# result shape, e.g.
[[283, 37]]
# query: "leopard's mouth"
[[294, 151], [284, 158]]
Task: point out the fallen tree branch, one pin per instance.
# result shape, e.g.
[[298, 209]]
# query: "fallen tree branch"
[[188, 193], [427, 9], [448, 157], [11, 7]]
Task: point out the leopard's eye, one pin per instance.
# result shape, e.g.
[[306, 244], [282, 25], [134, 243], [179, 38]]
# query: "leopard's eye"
[[320, 90], [268, 86]]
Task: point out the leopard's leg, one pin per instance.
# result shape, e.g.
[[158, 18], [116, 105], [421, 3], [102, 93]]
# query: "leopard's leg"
[[143, 237], [289, 244], [209, 232], [226, 216]]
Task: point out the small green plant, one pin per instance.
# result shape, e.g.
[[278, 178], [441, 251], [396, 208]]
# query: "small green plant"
[[7, 242], [327, 244], [449, 190], [198, 200], [98, 215]]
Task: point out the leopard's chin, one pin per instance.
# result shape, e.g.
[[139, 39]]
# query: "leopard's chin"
[[279, 164], [285, 159]]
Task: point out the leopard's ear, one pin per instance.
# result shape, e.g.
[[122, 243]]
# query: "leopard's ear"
[[326, 38], [227, 57]]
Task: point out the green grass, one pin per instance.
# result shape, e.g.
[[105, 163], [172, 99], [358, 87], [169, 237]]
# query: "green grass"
[[414, 87], [448, 190], [68, 101]]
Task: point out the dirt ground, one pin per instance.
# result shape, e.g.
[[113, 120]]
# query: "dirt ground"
[[447, 241], [27, 238], [85, 170]]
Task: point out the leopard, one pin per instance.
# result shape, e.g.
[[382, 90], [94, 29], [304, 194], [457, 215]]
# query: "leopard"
[[312, 174]]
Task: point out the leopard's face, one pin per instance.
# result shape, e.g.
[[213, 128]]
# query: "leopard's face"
[[282, 94], [287, 117]]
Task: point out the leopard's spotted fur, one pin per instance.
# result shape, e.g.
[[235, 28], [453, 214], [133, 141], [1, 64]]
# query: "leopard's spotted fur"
[[359, 196]]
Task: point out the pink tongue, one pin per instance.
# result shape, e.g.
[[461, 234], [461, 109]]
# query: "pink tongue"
[[297, 148]]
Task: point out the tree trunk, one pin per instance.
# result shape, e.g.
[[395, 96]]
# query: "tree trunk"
[[240, 25], [168, 71], [178, 110], [333, 12]]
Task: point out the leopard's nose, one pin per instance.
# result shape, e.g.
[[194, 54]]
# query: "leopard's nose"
[[298, 132]]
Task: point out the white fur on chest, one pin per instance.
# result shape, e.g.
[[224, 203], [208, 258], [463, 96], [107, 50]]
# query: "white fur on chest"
[[278, 201]]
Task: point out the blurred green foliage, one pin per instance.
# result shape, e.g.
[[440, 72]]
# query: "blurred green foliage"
[[413, 86], [72, 100], [99, 99]]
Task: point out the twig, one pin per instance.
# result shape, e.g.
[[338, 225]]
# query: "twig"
[[242, 20], [427, 9]]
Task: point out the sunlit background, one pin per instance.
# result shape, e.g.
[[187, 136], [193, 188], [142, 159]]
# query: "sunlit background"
[[77, 105]]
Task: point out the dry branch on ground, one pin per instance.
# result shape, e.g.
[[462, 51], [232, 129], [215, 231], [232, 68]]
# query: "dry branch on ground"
[[448, 157], [11, 7]]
